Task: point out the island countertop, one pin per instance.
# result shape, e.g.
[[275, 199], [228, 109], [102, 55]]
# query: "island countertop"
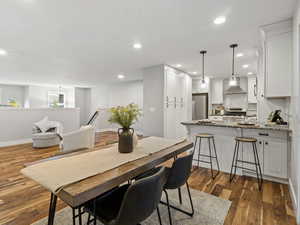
[[236, 125]]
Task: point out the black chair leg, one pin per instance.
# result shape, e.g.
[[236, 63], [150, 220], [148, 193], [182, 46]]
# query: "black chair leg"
[[179, 195], [169, 208], [74, 216], [191, 201], [178, 209], [88, 220], [52, 209], [80, 215], [158, 215]]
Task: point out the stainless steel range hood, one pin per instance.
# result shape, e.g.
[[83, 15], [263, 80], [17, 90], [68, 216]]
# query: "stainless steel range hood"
[[234, 90]]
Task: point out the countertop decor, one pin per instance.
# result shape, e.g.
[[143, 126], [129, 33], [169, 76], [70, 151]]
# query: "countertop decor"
[[125, 116]]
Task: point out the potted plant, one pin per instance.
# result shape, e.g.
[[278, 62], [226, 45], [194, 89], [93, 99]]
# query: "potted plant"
[[125, 116]]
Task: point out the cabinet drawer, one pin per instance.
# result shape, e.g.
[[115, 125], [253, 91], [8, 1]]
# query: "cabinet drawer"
[[260, 133]]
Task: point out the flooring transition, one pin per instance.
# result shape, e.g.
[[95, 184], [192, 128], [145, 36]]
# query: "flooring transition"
[[23, 202]]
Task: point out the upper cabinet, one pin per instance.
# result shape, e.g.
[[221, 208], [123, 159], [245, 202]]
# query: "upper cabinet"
[[216, 91], [277, 41]]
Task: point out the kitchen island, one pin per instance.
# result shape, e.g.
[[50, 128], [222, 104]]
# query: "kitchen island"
[[273, 145]]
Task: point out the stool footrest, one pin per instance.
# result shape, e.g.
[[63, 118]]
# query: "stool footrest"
[[244, 168], [207, 156], [242, 161], [202, 161]]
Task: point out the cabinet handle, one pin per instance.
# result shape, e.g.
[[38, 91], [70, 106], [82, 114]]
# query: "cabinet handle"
[[175, 102], [259, 142], [167, 98], [255, 89], [263, 134], [266, 143]]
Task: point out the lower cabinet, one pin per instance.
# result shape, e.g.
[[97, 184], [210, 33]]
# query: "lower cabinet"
[[272, 147], [275, 158]]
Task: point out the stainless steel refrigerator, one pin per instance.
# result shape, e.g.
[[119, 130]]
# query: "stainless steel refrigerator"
[[200, 106]]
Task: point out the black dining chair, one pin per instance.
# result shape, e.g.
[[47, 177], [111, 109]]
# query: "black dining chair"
[[177, 176], [129, 204]]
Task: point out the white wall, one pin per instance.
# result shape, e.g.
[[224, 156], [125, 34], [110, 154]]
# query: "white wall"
[[153, 107], [17, 123], [99, 100], [12, 91], [118, 94], [295, 103], [83, 102], [38, 96]]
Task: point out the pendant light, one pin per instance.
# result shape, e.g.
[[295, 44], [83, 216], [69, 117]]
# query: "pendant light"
[[233, 80], [203, 83]]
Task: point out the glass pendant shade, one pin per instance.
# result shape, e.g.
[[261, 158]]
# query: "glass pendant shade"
[[203, 83], [233, 81]]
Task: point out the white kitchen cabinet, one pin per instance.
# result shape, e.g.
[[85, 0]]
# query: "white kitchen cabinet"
[[167, 101], [252, 90], [272, 148], [216, 91], [275, 158], [278, 59]]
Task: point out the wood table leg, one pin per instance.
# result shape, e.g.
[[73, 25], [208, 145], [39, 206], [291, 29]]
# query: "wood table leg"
[[52, 208]]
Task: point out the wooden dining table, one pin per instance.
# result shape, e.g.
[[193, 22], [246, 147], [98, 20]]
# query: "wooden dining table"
[[78, 193]]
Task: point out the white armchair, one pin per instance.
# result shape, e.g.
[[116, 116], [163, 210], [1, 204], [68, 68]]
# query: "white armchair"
[[79, 139], [46, 133]]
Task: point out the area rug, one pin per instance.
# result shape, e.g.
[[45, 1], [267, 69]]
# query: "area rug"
[[209, 210]]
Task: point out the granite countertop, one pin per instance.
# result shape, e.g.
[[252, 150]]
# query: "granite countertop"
[[236, 125]]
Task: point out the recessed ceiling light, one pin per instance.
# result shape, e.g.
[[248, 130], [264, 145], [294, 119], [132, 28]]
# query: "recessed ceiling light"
[[178, 65], [3, 52], [245, 66], [137, 45], [194, 73], [239, 55], [121, 76], [220, 20], [250, 73]]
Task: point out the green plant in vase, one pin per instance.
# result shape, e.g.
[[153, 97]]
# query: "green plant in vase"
[[125, 116]]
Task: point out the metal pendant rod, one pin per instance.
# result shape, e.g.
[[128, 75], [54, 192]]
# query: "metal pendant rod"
[[233, 46], [203, 52]]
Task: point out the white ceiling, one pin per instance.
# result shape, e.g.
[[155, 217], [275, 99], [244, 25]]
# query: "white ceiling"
[[84, 42]]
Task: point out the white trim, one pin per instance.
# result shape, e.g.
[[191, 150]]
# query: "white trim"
[[15, 142], [293, 197]]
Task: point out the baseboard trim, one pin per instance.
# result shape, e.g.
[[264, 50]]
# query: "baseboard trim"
[[15, 142], [294, 199]]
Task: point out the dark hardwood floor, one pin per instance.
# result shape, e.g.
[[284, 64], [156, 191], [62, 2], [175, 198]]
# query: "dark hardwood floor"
[[23, 202]]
